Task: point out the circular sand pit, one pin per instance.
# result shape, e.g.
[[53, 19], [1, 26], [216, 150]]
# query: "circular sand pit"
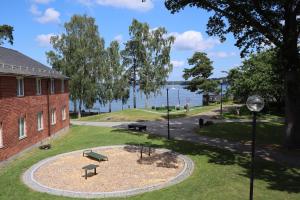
[[124, 174]]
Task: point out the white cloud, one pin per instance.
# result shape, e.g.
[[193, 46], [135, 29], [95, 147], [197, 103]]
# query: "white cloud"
[[44, 39], [119, 38], [192, 41], [128, 4], [222, 54], [177, 63], [42, 1], [50, 15], [34, 10]]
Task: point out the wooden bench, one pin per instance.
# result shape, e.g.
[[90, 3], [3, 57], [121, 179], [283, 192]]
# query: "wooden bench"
[[90, 167], [97, 156], [139, 127]]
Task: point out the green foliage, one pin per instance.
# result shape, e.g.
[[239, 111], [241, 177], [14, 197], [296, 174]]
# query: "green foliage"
[[6, 33], [115, 84], [147, 57], [78, 53], [257, 75], [254, 24], [200, 73]]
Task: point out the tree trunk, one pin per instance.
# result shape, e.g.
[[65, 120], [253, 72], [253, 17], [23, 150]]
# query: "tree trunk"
[[79, 109], [292, 109], [109, 107], [146, 101], [291, 65], [75, 106], [134, 83]]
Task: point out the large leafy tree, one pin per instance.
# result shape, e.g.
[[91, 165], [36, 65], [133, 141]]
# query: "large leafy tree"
[[256, 24], [147, 57], [78, 53], [115, 85], [257, 75], [154, 73], [6, 33], [199, 74]]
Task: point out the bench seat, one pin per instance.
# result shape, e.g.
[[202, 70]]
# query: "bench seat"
[[139, 127], [97, 156]]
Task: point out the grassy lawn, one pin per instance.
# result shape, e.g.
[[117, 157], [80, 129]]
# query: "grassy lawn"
[[267, 132], [246, 114], [218, 174], [147, 114]]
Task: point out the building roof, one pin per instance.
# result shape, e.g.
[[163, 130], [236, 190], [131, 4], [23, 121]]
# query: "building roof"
[[13, 62]]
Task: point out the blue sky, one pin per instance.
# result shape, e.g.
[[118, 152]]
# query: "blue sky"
[[35, 21]]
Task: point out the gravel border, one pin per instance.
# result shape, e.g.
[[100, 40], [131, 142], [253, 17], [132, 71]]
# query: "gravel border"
[[29, 180]]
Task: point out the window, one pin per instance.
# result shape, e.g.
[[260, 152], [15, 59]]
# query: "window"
[[38, 86], [53, 117], [22, 128], [20, 86], [1, 135], [52, 88], [40, 124], [62, 85], [63, 113]]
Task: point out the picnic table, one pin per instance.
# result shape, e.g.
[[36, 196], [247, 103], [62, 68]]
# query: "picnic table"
[[90, 167]]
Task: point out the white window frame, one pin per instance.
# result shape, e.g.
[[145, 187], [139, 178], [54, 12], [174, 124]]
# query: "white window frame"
[[20, 89], [63, 113], [22, 128], [40, 122], [53, 117], [1, 135], [62, 85], [52, 86], [38, 84]]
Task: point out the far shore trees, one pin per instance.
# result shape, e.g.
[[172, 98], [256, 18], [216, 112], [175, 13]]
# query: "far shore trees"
[[147, 58], [78, 53], [199, 74], [255, 25]]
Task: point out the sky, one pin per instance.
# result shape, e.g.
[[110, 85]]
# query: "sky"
[[35, 21]]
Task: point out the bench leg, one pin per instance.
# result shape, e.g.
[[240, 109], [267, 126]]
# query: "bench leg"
[[95, 172], [85, 174]]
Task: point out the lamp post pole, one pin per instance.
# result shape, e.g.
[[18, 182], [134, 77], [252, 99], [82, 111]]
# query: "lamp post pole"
[[255, 104], [168, 113], [221, 100], [253, 154]]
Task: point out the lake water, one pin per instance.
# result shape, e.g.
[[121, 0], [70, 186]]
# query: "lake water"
[[177, 96]]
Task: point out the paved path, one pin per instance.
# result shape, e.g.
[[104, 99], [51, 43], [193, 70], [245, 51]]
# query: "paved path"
[[184, 129]]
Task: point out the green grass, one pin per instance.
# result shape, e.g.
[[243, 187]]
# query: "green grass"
[[268, 133], [147, 114], [218, 174]]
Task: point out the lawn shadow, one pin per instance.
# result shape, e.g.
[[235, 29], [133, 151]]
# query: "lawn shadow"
[[151, 156]]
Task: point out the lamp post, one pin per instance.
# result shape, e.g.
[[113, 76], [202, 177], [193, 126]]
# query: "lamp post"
[[168, 111], [255, 104], [221, 98]]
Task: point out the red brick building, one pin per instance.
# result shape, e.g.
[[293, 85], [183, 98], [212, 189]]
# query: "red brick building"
[[34, 102]]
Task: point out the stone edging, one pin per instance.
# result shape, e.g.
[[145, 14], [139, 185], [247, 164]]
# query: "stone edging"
[[29, 180]]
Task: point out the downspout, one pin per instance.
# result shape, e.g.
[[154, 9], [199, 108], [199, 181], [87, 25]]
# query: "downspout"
[[48, 106]]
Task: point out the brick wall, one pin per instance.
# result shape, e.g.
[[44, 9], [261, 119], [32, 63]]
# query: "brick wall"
[[13, 107]]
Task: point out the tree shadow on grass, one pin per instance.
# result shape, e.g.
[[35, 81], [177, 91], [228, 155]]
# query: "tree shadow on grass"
[[278, 177]]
